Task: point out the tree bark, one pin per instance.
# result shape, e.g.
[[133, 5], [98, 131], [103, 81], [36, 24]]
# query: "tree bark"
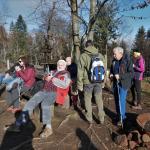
[[75, 29], [92, 14]]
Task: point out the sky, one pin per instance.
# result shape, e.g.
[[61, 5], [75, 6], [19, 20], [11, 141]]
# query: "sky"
[[10, 9]]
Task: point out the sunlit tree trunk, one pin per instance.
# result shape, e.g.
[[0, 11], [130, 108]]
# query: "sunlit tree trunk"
[[92, 13], [75, 29]]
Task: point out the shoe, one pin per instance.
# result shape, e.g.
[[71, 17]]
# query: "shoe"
[[13, 128], [46, 133], [138, 107], [119, 124], [89, 121], [102, 120], [135, 103]]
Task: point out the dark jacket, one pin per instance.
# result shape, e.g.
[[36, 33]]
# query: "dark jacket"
[[125, 71]]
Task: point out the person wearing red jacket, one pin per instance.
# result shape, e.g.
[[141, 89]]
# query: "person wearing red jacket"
[[27, 73]]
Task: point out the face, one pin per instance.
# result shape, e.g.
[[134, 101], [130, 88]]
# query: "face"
[[21, 62], [117, 55], [61, 67], [68, 61]]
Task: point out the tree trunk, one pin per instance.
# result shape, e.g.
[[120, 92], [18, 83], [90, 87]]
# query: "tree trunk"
[[92, 13], [75, 29]]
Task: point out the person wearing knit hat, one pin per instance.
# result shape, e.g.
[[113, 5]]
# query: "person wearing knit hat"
[[139, 68]]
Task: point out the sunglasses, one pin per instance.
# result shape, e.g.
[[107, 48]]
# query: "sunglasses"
[[20, 61]]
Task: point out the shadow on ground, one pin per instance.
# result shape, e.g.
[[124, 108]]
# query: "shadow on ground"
[[19, 140]]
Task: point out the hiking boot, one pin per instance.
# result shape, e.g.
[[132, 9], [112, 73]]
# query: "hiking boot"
[[89, 121], [13, 128], [119, 124], [102, 120], [138, 107], [46, 133]]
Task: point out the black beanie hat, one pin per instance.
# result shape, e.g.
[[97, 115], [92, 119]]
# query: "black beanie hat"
[[136, 50]]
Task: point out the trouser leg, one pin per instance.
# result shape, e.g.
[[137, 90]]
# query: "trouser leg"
[[33, 102], [133, 92], [46, 112], [88, 104], [122, 106], [99, 101], [12, 97], [138, 90]]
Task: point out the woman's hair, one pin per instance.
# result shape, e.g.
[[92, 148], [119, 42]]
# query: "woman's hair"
[[25, 59]]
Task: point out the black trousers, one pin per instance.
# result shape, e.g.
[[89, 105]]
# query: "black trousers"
[[136, 91]]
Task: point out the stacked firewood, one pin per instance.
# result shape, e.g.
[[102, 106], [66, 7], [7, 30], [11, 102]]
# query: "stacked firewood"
[[134, 140], [137, 139]]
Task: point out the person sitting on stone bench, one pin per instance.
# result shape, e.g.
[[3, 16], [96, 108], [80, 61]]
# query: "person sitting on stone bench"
[[26, 73], [60, 79], [7, 78]]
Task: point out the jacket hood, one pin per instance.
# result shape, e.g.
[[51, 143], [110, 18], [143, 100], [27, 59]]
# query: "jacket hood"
[[91, 50]]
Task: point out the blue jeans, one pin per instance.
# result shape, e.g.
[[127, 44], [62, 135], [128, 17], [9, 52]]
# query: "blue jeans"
[[17, 80], [120, 101], [5, 80]]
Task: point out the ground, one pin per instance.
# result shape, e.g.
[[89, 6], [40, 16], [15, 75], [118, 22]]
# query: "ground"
[[70, 130]]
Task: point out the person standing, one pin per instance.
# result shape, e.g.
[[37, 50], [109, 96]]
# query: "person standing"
[[73, 92], [121, 73], [84, 82], [139, 68]]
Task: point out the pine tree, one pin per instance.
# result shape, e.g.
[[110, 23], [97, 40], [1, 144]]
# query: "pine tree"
[[21, 35], [18, 39], [106, 26], [140, 39], [11, 29]]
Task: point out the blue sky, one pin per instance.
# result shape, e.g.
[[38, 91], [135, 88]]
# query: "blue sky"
[[130, 26], [12, 8]]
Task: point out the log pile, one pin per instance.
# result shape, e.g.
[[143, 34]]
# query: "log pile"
[[137, 139]]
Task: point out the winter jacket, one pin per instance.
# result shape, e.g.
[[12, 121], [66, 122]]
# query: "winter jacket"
[[62, 82], [139, 68], [84, 66], [28, 76], [59, 83], [72, 70], [125, 71]]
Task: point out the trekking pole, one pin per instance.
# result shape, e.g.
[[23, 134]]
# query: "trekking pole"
[[121, 119]]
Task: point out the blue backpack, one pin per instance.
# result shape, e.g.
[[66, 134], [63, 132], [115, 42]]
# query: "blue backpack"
[[97, 71]]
